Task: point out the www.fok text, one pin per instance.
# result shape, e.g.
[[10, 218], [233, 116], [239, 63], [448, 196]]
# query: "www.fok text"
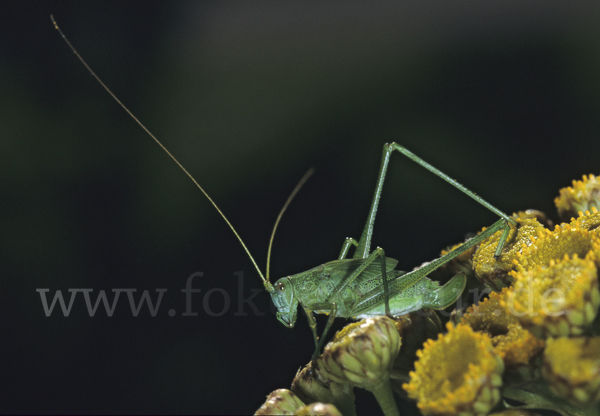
[[215, 302]]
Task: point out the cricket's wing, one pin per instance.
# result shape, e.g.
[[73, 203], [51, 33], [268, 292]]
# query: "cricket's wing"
[[340, 270], [337, 272]]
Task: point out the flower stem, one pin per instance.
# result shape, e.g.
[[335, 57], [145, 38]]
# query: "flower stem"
[[538, 396], [385, 398]]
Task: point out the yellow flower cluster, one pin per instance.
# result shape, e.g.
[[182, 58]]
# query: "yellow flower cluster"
[[547, 291]]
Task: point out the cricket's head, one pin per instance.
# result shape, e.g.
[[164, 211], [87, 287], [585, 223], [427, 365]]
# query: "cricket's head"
[[285, 302]]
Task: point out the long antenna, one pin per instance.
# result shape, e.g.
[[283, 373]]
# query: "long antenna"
[[267, 284], [307, 175]]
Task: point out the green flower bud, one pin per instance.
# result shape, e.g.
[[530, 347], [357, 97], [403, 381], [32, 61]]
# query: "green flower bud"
[[280, 402], [362, 355], [310, 388], [318, 409]]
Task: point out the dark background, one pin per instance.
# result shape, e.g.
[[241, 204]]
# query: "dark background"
[[502, 95]]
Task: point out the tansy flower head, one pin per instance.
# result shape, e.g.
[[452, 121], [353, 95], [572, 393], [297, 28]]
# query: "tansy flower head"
[[459, 373], [515, 345], [559, 300], [566, 239], [463, 263], [587, 220], [583, 196], [535, 214], [572, 369], [494, 272]]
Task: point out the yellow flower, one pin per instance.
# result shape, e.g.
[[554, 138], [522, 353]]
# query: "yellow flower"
[[459, 373], [494, 272], [558, 300], [535, 214], [582, 196], [516, 346], [549, 245], [572, 369], [587, 220]]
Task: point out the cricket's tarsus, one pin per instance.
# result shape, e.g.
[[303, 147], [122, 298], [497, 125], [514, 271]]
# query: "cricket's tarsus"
[[366, 284]]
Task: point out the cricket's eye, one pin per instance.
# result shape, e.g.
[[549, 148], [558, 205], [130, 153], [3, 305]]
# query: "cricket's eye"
[[280, 287]]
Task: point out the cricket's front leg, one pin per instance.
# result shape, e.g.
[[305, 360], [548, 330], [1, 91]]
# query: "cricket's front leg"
[[319, 341], [312, 323]]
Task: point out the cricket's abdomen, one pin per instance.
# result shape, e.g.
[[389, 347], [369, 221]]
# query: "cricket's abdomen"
[[424, 294]]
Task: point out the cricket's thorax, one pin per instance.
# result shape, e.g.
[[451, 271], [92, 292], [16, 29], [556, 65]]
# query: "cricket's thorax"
[[314, 285]]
